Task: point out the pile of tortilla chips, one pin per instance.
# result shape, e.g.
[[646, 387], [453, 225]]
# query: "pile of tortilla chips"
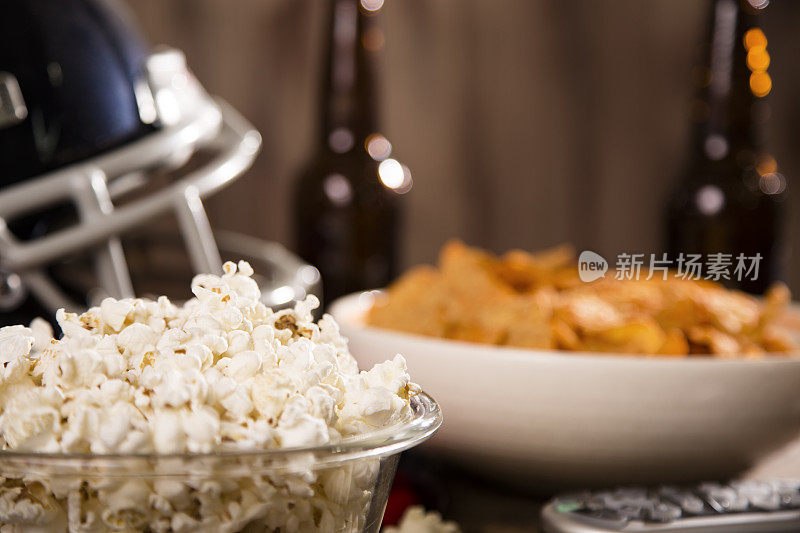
[[538, 301]]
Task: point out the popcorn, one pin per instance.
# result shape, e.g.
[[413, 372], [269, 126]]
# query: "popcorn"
[[416, 520], [15, 342], [222, 372]]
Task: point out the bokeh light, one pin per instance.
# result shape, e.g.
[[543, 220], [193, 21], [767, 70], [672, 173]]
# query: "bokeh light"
[[757, 58], [372, 5], [395, 176], [773, 183], [760, 83], [378, 147], [754, 37], [391, 173]]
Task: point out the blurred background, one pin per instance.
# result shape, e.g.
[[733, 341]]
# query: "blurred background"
[[525, 123]]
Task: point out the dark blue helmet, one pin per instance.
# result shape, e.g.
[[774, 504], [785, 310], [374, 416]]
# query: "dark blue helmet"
[[69, 70]]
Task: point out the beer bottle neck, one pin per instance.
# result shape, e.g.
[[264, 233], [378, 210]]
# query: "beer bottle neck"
[[734, 81], [349, 110]]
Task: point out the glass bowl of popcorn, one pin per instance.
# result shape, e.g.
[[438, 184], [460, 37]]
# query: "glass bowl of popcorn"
[[218, 415]]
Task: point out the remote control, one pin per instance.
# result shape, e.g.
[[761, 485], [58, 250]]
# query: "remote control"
[[737, 507]]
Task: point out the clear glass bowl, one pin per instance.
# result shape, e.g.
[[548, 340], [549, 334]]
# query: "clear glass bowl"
[[333, 488]]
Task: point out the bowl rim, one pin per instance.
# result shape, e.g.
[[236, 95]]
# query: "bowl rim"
[[426, 419], [343, 308]]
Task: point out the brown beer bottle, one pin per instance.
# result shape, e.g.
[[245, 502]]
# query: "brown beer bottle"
[[346, 209], [730, 198]]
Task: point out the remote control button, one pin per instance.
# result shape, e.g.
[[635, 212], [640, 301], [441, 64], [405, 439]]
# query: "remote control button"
[[723, 499], [771, 502], [633, 512], [790, 501], [604, 518], [761, 496], [689, 503], [569, 502], [692, 505], [664, 512], [595, 503], [567, 506], [624, 498], [630, 504], [753, 489]]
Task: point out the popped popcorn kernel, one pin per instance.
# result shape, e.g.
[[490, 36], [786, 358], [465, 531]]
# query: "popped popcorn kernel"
[[417, 520]]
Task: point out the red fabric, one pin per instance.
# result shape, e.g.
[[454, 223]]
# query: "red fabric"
[[401, 498]]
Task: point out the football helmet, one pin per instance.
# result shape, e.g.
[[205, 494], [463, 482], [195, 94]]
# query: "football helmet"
[[99, 137]]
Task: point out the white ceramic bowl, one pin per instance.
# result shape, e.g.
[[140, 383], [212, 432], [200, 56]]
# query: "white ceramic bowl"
[[553, 419]]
